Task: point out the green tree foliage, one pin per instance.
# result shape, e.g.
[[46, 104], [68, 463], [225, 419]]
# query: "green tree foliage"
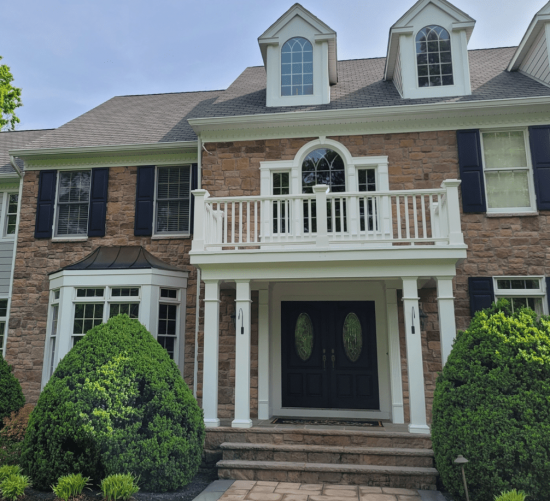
[[10, 99], [492, 405], [115, 404], [11, 395]]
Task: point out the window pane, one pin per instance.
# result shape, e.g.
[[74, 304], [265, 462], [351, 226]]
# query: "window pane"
[[173, 199], [367, 180], [320, 167], [297, 63], [171, 293], [89, 292], [72, 219], [504, 149], [125, 291], [86, 317], [3, 307], [74, 186], [507, 189], [2, 331], [11, 216], [73, 202], [130, 309], [168, 344], [166, 334], [433, 58]]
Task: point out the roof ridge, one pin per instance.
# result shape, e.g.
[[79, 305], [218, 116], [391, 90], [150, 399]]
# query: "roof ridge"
[[169, 93]]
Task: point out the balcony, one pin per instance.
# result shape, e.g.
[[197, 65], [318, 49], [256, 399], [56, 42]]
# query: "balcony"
[[417, 222]]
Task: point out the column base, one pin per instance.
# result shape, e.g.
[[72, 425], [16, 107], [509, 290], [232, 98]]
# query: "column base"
[[211, 423], [419, 428], [263, 410], [398, 416], [241, 423]]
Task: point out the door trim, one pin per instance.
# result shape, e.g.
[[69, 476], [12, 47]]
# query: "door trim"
[[330, 291]]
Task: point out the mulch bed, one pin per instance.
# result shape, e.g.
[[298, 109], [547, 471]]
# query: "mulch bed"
[[188, 493]]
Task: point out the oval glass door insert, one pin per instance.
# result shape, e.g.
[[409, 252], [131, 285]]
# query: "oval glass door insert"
[[353, 337], [303, 336]]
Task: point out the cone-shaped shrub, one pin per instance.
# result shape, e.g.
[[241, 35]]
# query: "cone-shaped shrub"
[[115, 404], [11, 395], [492, 405]]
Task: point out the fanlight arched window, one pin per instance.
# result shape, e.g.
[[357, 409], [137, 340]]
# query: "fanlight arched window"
[[323, 166], [433, 57], [297, 67]]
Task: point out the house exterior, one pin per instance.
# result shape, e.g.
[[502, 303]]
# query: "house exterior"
[[306, 242], [10, 194]]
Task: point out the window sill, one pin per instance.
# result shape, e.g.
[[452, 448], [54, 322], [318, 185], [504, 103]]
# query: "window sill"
[[512, 214], [169, 237], [69, 239]]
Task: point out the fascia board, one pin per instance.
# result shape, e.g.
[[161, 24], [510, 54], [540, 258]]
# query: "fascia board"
[[8, 176], [295, 10], [445, 6], [357, 114], [97, 150], [530, 36]]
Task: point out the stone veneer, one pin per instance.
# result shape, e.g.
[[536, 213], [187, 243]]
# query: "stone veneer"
[[497, 246]]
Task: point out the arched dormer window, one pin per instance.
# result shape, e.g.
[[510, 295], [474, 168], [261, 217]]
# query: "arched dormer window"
[[297, 67], [433, 57], [323, 166]]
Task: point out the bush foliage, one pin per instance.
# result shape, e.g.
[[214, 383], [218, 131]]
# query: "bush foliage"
[[115, 404], [15, 425], [119, 487], [492, 405], [512, 495], [11, 394], [70, 486]]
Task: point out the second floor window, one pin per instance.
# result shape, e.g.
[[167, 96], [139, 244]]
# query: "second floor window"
[[297, 67], [433, 57], [11, 213], [73, 202], [173, 200]]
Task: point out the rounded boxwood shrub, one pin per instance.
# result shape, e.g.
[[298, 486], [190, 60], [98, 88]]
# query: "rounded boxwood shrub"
[[115, 404], [492, 405], [11, 395]]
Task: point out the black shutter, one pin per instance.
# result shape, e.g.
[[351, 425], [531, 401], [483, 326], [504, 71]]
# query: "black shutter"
[[471, 171], [194, 186], [481, 293], [145, 192], [539, 139], [45, 204], [548, 292], [98, 202]]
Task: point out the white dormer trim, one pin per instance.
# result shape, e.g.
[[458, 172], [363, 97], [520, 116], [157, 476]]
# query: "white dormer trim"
[[402, 49], [299, 22], [539, 23]]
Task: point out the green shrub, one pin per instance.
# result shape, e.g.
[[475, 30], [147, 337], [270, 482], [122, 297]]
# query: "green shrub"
[[8, 470], [70, 486], [492, 405], [11, 394], [115, 404], [14, 486], [511, 496], [116, 487]]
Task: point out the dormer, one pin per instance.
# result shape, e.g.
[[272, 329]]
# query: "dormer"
[[299, 53], [428, 51], [531, 56]]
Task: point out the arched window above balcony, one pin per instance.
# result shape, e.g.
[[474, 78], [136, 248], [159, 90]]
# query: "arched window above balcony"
[[323, 166]]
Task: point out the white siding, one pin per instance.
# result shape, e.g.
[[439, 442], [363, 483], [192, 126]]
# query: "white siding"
[[6, 256], [535, 63], [397, 78]]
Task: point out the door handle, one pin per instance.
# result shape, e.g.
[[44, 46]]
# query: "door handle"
[[324, 360], [333, 358]]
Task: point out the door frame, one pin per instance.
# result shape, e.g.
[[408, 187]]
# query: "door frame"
[[365, 290]]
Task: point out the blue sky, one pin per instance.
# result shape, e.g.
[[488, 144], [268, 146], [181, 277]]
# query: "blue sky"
[[69, 56]]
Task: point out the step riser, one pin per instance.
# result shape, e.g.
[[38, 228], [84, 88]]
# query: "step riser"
[[214, 440], [427, 482], [332, 458]]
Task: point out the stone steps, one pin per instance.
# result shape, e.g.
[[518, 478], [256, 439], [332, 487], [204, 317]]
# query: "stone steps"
[[385, 456], [359, 474]]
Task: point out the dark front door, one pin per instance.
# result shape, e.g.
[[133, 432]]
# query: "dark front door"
[[329, 354]]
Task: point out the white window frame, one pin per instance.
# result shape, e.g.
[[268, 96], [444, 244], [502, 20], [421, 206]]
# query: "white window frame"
[[540, 293], [49, 353], [175, 302], [529, 169], [5, 321], [4, 214], [150, 281], [166, 234], [75, 237], [416, 59], [352, 165]]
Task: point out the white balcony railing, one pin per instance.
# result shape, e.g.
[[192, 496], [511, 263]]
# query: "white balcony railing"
[[328, 220]]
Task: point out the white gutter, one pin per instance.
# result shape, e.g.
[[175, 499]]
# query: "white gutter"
[[16, 167], [198, 286]]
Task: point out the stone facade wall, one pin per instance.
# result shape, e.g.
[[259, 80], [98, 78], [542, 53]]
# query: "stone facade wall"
[[497, 246]]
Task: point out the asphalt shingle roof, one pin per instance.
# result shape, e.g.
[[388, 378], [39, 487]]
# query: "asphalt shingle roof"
[[12, 140], [163, 117]]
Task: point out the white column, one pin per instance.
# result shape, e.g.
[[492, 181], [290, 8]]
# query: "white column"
[[242, 356], [453, 212], [263, 354], [447, 320], [199, 223], [398, 415], [210, 362], [415, 365]]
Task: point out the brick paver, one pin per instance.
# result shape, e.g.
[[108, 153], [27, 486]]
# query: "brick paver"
[[247, 490]]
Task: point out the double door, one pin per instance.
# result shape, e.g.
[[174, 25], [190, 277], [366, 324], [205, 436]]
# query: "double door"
[[329, 355]]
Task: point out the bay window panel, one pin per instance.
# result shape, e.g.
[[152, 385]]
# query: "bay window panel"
[[507, 189]]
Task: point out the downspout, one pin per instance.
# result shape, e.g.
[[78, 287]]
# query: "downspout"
[[10, 289], [198, 294]]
